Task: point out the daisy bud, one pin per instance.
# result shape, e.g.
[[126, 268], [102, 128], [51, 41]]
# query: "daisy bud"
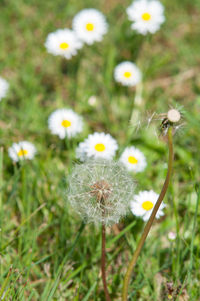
[[100, 191]]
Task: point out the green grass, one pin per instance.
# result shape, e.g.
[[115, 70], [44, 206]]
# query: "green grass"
[[46, 253]]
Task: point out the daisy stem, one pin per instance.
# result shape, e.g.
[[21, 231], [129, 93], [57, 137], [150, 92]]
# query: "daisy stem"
[[103, 262], [151, 219]]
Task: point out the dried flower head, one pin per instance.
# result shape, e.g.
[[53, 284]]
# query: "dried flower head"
[[173, 118], [100, 191], [173, 115]]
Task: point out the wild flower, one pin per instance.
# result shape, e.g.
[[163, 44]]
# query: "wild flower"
[[65, 123], [90, 25], [63, 42], [143, 203], [22, 150], [100, 191], [146, 15], [3, 88], [92, 100], [127, 73], [133, 159], [97, 145], [171, 235]]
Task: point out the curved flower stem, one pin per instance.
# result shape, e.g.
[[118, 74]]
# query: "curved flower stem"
[[103, 262], [151, 219]]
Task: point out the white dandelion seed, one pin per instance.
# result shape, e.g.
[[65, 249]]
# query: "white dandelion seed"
[[63, 42], [65, 123], [127, 73], [133, 159], [22, 150], [100, 191], [97, 145], [90, 25], [146, 15], [143, 204], [4, 86]]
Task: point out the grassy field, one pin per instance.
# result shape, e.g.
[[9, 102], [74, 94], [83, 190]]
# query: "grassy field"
[[46, 252]]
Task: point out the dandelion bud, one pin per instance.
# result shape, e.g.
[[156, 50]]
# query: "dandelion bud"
[[100, 191]]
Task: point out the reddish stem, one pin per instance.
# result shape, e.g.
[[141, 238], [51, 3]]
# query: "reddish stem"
[[103, 263]]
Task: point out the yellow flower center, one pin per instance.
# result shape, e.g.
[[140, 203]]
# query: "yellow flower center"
[[146, 16], [22, 152], [66, 123], [147, 205], [100, 147], [89, 26], [132, 160], [64, 46], [127, 74]]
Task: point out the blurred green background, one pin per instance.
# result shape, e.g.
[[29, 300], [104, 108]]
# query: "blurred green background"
[[46, 253]]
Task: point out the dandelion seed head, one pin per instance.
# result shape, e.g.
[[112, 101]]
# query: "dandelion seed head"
[[100, 191], [173, 115]]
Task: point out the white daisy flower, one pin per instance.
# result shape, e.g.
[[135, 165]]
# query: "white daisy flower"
[[143, 204], [22, 150], [127, 73], [90, 25], [65, 122], [133, 159], [3, 88], [63, 42], [147, 15], [97, 145]]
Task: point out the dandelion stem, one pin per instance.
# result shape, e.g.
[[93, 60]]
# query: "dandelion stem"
[[151, 219], [103, 262]]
